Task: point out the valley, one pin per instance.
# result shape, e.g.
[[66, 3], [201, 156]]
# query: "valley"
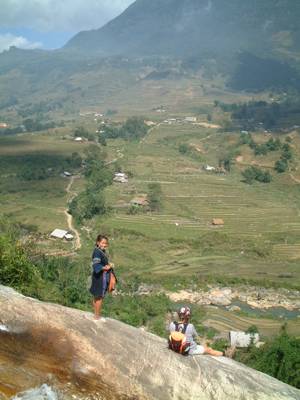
[[175, 247], [174, 130]]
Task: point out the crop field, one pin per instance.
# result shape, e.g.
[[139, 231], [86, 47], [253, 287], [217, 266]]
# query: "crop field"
[[176, 246], [260, 238], [37, 203]]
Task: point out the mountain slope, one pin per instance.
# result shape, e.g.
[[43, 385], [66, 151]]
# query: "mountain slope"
[[186, 27], [66, 348]]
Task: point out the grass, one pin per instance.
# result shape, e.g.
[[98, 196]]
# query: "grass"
[[262, 227]]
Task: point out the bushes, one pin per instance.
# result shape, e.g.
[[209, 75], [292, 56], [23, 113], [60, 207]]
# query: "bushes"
[[253, 173], [149, 311], [183, 148], [16, 268], [279, 357], [133, 128], [42, 166], [84, 133], [91, 201], [154, 196], [281, 166]]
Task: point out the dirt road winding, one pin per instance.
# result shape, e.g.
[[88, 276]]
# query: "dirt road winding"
[[71, 195]]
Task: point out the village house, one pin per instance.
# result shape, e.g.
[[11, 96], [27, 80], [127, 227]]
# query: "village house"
[[78, 140], [61, 234], [149, 123], [3, 125], [140, 201], [120, 177], [209, 168], [66, 174], [242, 339], [217, 222], [190, 119]]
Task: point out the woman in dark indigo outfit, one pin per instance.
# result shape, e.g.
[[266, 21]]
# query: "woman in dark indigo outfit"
[[101, 274]]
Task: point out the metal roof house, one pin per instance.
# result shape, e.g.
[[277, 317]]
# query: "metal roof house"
[[61, 234], [242, 339]]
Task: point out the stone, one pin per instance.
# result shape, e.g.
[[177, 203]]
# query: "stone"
[[220, 297], [112, 361], [234, 308]]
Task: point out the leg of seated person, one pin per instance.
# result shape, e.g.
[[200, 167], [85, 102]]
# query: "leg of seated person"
[[212, 352], [197, 350]]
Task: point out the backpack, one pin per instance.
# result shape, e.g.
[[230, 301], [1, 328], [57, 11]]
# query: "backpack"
[[178, 341]]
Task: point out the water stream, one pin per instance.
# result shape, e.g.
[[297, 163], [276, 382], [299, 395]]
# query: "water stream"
[[273, 312]]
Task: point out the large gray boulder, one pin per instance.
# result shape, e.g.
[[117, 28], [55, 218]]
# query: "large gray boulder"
[[43, 343]]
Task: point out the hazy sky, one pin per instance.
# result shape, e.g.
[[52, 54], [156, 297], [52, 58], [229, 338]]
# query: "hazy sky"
[[50, 23]]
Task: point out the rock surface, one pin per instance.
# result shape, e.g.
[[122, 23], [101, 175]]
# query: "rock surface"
[[43, 343]]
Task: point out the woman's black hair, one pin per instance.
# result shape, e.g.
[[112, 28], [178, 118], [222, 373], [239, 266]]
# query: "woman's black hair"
[[101, 237]]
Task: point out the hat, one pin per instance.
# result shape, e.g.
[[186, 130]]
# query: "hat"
[[184, 312]]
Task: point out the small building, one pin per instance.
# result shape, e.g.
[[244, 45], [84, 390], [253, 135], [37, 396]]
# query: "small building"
[[140, 201], [120, 177], [78, 139], [221, 171], [58, 234], [61, 234], [69, 237], [217, 222], [209, 168], [67, 174], [3, 125], [190, 119], [149, 123], [242, 339]]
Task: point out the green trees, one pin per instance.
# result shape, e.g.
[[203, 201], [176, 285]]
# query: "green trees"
[[279, 358], [16, 268], [92, 201], [281, 166], [35, 125], [42, 166], [253, 173], [84, 133], [183, 148], [256, 114], [154, 196], [134, 128]]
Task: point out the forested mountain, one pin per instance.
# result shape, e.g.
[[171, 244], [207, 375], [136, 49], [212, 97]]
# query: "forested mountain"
[[189, 27], [254, 44]]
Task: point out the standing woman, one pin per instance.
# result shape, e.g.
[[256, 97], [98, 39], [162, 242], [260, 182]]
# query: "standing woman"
[[102, 271]]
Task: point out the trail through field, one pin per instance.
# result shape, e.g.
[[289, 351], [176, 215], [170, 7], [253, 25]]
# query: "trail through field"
[[71, 195], [294, 178], [149, 132], [120, 155]]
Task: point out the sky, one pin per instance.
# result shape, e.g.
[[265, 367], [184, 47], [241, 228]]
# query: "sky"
[[49, 24]]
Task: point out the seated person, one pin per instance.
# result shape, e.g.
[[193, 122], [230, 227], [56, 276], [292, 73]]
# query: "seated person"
[[190, 346]]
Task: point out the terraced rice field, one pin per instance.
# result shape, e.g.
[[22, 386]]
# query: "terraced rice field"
[[257, 218], [224, 321]]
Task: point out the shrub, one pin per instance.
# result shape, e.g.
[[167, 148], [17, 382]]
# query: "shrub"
[[281, 166], [279, 357], [253, 173]]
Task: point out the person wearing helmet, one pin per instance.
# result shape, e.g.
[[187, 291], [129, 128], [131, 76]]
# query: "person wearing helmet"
[[184, 326]]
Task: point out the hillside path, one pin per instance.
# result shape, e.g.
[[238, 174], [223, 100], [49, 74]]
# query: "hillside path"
[[71, 195], [294, 179]]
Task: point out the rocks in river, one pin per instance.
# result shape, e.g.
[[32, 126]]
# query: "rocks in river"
[[220, 297], [255, 297], [234, 308]]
